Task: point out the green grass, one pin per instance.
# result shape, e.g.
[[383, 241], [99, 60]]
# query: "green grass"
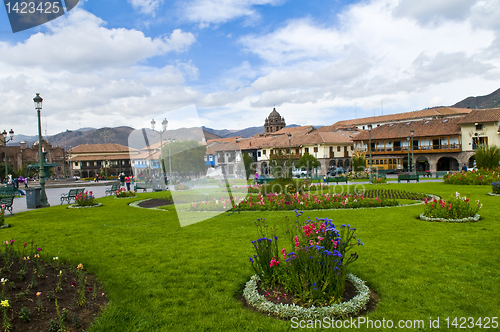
[[161, 277]]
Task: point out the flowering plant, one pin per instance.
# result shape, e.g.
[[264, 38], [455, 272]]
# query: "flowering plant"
[[122, 192], [85, 199], [314, 269], [182, 186], [456, 207], [495, 187], [2, 214], [480, 177]]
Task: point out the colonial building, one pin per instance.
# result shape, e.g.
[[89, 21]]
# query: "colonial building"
[[480, 127], [88, 160], [436, 144], [24, 155], [274, 122]]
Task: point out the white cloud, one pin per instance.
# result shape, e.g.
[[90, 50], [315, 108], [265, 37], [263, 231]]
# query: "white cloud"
[[146, 6], [434, 11], [206, 12], [81, 42]]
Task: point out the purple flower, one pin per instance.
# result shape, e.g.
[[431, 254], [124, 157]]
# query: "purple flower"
[[39, 249]]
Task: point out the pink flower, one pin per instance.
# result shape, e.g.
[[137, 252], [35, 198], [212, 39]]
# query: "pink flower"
[[274, 262], [283, 251]]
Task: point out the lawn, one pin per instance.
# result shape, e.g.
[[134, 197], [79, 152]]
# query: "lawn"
[[163, 277]]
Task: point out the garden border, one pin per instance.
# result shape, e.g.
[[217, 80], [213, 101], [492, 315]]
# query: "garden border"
[[136, 204], [493, 194], [73, 206], [463, 220], [342, 310]]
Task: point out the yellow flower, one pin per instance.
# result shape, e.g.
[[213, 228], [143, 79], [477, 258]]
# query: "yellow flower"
[[80, 266], [5, 303]]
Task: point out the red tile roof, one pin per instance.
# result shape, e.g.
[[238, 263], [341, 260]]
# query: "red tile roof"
[[101, 148], [422, 128], [485, 115]]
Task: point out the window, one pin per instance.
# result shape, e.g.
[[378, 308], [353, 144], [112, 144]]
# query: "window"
[[259, 154], [264, 152], [377, 161], [76, 163], [315, 149], [479, 126], [338, 148], [352, 147], [307, 150], [297, 151], [272, 152]]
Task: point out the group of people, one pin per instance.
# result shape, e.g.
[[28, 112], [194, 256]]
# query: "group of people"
[[127, 180], [14, 182]]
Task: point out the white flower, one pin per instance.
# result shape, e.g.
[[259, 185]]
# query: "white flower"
[[3, 280], [457, 194], [55, 258]]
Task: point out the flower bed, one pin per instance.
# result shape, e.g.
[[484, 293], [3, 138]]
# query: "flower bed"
[[313, 271], [41, 294], [456, 209], [376, 180], [123, 193], [85, 199], [495, 186], [480, 177]]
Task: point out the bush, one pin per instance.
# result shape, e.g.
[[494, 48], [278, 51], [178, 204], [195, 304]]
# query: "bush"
[[2, 214], [455, 208], [487, 157], [284, 185], [122, 192], [376, 180], [314, 270], [481, 177]]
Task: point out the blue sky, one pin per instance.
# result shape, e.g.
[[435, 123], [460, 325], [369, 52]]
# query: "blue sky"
[[123, 62]]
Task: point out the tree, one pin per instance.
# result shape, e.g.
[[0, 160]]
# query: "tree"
[[247, 161], [487, 157], [187, 156], [308, 161], [358, 161]]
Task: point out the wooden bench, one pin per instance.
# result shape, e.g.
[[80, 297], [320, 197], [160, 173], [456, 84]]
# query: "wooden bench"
[[143, 185], [338, 179], [408, 177], [71, 195], [427, 174], [7, 201], [112, 189]]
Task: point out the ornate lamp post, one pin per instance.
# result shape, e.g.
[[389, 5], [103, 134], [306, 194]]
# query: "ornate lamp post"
[[164, 125], [41, 172], [411, 134], [5, 141], [370, 151], [289, 171], [106, 167]]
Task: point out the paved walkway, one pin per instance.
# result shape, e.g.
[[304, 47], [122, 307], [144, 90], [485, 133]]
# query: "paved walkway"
[[54, 195]]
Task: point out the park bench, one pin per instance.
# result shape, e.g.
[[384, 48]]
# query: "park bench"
[[71, 195], [112, 189], [423, 173], [338, 179], [441, 174], [7, 201], [408, 177], [143, 185], [9, 191]]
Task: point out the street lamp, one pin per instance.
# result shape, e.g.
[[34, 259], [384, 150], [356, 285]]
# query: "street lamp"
[[41, 172], [5, 141], [170, 160], [409, 164], [370, 151], [164, 125], [411, 134], [289, 171], [106, 167]]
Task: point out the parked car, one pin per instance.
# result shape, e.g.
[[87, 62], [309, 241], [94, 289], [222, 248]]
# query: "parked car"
[[334, 171], [299, 172]]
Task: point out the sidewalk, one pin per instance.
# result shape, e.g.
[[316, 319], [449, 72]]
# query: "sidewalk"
[[54, 195]]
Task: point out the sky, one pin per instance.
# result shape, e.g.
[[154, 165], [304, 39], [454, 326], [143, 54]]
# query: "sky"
[[123, 62]]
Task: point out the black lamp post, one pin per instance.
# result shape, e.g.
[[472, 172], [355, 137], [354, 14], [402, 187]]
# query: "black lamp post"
[[41, 172], [5, 141], [289, 171], [370, 150], [106, 167], [164, 125]]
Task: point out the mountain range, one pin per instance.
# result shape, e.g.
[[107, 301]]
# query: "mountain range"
[[122, 135]]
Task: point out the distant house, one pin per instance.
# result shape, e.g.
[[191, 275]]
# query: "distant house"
[[87, 160], [480, 127]]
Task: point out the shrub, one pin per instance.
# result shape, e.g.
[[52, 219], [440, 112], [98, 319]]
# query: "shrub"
[[376, 180], [284, 185], [455, 208], [85, 199], [487, 157], [2, 214], [358, 162], [314, 270], [495, 187], [25, 314]]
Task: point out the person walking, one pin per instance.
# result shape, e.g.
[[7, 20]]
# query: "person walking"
[[464, 168], [127, 180], [122, 180]]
